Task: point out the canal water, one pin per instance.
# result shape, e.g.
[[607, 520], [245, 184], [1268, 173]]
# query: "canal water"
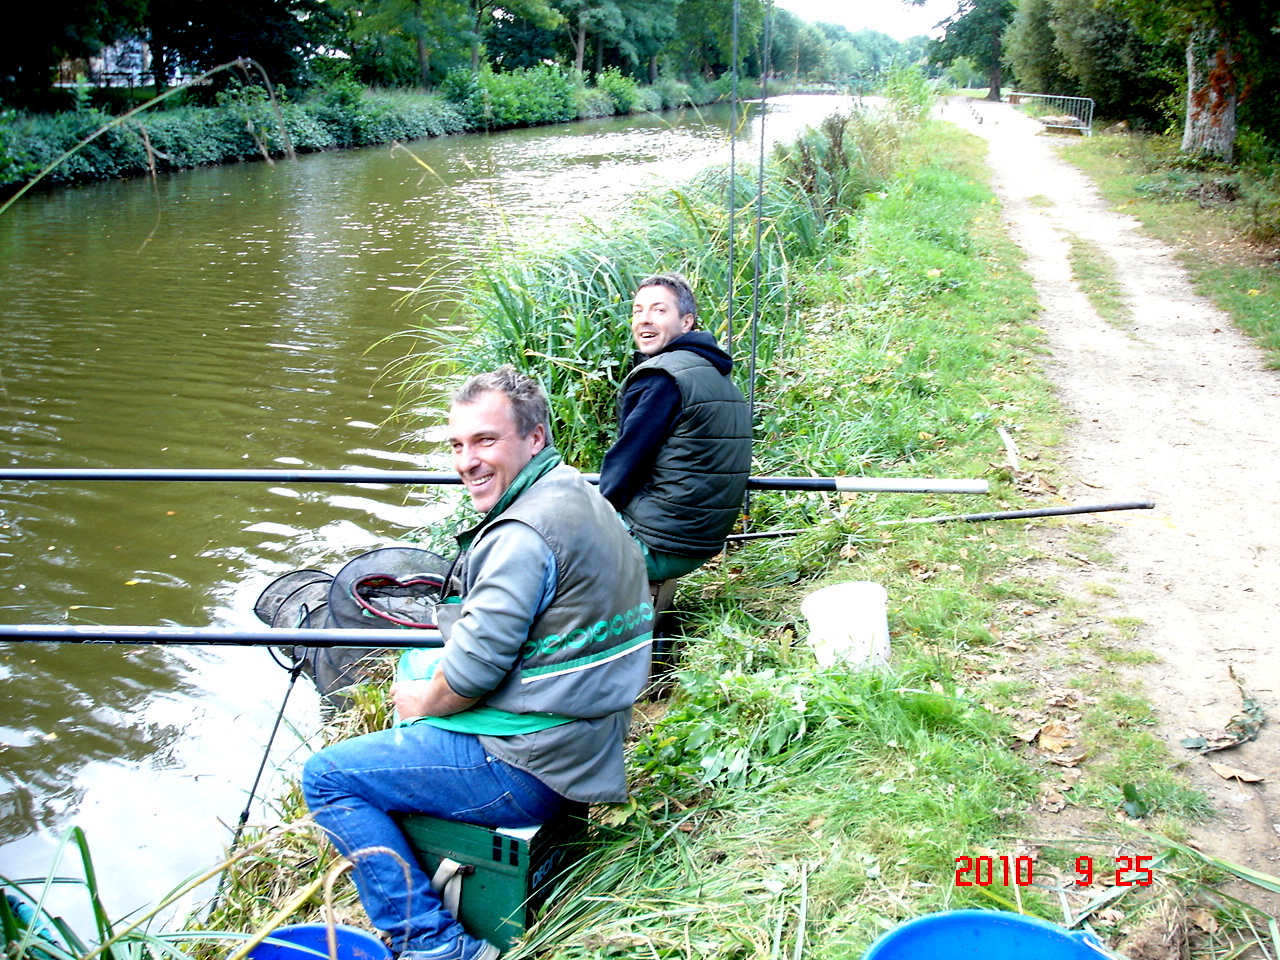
[[235, 318]]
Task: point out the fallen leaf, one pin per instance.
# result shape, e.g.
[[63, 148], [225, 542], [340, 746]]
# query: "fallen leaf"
[[1055, 736], [1051, 801], [1234, 773], [1203, 919], [1067, 759]]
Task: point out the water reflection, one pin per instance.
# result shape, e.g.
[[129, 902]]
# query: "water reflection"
[[84, 712]]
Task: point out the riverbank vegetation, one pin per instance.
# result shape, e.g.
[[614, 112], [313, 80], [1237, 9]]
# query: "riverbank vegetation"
[[316, 74], [249, 122]]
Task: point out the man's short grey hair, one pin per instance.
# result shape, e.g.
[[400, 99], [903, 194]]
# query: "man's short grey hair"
[[686, 302], [528, 402]]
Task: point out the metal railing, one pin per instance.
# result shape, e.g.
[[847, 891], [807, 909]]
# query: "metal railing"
[[1073, 114]]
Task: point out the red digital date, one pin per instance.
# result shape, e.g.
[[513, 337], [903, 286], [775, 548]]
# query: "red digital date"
[[1128, 871], [983, 871]]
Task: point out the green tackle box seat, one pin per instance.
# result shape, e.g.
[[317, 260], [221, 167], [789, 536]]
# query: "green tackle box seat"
[[508, 871]]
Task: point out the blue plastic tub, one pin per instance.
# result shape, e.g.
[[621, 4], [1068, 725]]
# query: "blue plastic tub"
[[310, 941], [984, 935]]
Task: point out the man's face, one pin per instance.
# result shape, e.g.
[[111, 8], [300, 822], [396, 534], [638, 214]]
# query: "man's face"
[[488, 451], [656, 320]]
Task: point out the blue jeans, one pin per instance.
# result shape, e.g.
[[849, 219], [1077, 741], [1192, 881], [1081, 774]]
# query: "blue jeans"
[[353, 786]]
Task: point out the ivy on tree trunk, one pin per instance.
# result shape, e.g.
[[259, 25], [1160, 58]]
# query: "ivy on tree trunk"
[[1212, 94]]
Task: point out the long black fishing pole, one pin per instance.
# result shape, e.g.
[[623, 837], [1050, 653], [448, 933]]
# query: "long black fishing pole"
[[1029, 514], [279, 476], [220, 636], [972, 518], [759, 225]]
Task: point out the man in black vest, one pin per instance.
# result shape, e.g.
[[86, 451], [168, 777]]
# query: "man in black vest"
[[547, 626], [679, 468]]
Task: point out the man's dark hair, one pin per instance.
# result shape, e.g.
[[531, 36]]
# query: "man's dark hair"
[[686, 302], [528, 402]]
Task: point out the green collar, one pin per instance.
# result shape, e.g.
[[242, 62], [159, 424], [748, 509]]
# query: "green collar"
[[542, 464]]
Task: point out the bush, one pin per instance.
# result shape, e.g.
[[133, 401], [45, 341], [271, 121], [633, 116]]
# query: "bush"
[[343, 114], [39, 140], [623, 91], [673, 93], [521, 98], [591, 102], [650, 100]]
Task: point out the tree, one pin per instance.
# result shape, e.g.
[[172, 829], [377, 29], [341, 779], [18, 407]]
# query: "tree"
[[1229, 45], [879, 51], [482, 13], [1106, 58], [651, 32], [974, 31], [380, 29], [281, 35], [1032, 54], [704, 33], [45, 34], [589, 18]]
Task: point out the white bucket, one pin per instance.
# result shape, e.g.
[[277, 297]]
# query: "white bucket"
[[848, 622]]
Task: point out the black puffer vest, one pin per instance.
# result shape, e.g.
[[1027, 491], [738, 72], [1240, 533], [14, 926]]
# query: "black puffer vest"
[[695, 494]]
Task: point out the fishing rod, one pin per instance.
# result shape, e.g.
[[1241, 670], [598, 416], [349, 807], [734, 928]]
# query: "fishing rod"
[[220, 636], [972, 517], [1030, 514], [284, 476]]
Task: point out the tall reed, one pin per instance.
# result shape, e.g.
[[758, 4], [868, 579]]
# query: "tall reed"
[[560, 312]]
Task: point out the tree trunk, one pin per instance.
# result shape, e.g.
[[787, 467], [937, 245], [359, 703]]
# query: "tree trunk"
[[996, 75], [1212, 93], [424, 52], [160, 60], [994, 80], [580, 46], [159, 68], [424, 62]]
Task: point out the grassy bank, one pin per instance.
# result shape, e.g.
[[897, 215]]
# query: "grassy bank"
[[246, 123]]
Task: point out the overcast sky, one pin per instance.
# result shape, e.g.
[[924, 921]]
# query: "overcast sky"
[[898, 19]]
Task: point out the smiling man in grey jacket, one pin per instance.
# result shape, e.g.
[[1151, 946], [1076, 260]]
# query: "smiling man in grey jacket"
[[547, 627]]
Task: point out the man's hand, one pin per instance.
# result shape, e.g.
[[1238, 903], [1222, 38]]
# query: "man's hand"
[[427, 698]]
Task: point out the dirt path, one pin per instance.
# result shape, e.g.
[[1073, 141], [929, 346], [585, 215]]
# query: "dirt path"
[[1176, 407]]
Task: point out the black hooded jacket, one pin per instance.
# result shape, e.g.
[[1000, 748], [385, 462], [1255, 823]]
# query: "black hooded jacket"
[[650, 412]]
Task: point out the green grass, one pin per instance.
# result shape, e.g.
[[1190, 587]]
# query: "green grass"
[[1095, 272]]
